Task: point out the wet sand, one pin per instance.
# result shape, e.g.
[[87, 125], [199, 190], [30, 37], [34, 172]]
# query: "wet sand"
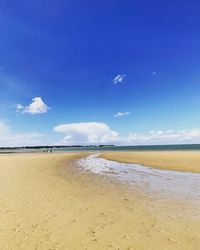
[[159, 183], [186, 161], [47, 203]]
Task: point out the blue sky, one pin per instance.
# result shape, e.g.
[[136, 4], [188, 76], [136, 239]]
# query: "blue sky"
[[68, 54]]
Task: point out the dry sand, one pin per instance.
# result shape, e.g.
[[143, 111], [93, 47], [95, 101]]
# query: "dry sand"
[[46, 203], [186, 161]]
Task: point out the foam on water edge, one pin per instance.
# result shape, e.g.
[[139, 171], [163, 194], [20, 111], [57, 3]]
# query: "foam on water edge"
[[154, 181]]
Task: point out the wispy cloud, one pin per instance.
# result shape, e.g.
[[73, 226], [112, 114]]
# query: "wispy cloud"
[[119, 79], [37, 106], [19, 107], [120, 114], [165, 137], [153, 73], [9, 138]]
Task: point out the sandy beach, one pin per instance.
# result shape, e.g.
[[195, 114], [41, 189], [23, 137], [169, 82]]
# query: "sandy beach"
[[46, 202], [186, 161]]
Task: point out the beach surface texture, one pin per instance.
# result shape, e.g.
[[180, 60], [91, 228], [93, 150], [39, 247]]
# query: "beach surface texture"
[[48, 202]]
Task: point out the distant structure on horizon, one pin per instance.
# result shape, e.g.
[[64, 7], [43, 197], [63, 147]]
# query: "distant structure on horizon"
[[54, 147]]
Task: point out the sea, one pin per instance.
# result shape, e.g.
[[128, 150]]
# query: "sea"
[[174, 147]]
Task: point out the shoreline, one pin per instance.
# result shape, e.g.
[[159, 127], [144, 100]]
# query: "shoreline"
[[154, 182], [184, 161], [46, 202]]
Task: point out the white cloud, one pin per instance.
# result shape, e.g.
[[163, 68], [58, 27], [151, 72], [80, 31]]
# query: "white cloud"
[[19, 107], [120, 114], [165, 137], [97, 133], [9, 138], [87, 133], [119, 79], [36, 107], [101, 133]]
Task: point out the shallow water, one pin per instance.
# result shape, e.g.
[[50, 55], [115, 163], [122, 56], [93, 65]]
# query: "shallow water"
[[166, 184]]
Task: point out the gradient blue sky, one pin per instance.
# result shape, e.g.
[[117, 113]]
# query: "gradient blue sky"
[[69, 52]]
